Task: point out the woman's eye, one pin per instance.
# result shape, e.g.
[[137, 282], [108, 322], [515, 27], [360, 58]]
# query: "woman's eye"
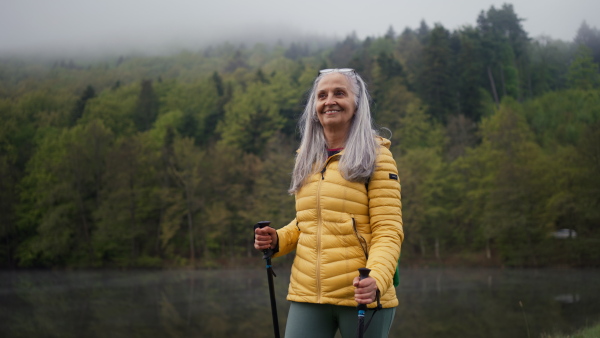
[[339, 93]]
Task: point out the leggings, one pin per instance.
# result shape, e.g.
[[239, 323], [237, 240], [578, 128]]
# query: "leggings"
[[324, 320]]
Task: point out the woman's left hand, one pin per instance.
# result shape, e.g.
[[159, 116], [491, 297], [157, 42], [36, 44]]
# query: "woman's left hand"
[[366, 290]]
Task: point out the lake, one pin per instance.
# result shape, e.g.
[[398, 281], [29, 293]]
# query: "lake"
[[235, 303]]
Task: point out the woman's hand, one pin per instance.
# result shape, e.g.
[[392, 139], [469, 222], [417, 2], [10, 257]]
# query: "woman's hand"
[[366, 290], [265, 238]]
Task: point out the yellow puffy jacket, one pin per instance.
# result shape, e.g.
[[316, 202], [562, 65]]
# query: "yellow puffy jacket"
[[333, 217]]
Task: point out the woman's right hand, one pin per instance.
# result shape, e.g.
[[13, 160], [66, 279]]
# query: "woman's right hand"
[[265, 238]]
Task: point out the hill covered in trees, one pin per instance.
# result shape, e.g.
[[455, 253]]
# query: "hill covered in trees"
[[170, 160]]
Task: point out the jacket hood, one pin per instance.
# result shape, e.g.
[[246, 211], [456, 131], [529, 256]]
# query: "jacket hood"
[[384, 141]]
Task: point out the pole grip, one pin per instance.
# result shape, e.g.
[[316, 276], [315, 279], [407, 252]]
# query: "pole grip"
[[267, 253], [262, 224], [364, 273]]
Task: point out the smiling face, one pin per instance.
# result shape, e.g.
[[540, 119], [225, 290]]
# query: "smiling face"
[[336, 103]]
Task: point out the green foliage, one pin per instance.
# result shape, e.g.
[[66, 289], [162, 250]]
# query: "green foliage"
[[254, 115], [149, 161], [200, 104], [589, 37], [505, 48], [88, 93], [562, 119], [423, 214], [114, 108], [126, 215], [583, 72], [10, 174], [469, 67], [416, 130], [146, 108], [512, 203], [60, 194], [549, 65], [436, 77]]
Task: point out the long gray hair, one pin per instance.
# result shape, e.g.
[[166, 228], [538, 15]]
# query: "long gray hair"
[[360, 152]]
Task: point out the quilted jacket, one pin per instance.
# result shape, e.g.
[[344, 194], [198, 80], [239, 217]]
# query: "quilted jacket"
[[335, 220]]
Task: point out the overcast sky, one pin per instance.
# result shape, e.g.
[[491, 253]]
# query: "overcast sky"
[[32, 26]]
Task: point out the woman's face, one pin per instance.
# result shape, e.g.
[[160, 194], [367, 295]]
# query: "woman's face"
[[335, 102]]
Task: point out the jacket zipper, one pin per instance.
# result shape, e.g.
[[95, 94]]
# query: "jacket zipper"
[[319, 226], [325, 166]]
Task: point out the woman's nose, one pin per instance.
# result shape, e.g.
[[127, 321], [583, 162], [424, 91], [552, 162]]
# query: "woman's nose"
[[330, 100]]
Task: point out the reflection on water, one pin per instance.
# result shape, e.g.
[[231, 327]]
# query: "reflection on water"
[[567, 298], [235, 303]]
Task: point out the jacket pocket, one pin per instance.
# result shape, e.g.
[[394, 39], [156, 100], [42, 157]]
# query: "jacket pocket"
[[361, 240]]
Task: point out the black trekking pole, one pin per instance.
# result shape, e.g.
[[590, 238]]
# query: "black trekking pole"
[[270, 274], [362, 308]]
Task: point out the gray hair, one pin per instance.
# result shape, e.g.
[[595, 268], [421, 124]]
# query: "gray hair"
[[358, 160]]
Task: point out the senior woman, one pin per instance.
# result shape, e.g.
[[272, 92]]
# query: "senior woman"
[[348, 215]]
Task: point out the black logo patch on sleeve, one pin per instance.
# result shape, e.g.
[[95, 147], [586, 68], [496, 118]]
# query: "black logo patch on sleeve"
[[393, 177]]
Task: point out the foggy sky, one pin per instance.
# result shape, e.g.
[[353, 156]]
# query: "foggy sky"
[[95, 26]]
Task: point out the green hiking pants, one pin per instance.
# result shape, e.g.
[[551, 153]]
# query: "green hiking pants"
[[324, 320]]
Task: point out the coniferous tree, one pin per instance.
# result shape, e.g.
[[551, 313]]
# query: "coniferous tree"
[[470, 70], [590, 37], [436, 78], [344, 51], [390, 34], [423, 32], [237, 60], [390, 67], [549, 64], [146, 110], [505, 45], [583, 72], [410, 49]]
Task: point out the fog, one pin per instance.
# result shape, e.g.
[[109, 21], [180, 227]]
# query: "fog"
[[30, 27]]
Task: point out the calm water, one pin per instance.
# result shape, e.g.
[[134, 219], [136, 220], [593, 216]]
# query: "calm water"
[[235, 303]]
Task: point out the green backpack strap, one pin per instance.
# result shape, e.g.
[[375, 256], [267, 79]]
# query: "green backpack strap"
[[397, 275]]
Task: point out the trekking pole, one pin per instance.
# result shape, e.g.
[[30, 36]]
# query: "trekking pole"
[[270, 274], [362, 308]]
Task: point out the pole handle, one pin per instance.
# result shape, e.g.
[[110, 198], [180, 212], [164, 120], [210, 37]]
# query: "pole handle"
[[364, 273], [262, 224], [267, 253]]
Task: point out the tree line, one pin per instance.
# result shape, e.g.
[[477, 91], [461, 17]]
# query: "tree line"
[[170, 160]]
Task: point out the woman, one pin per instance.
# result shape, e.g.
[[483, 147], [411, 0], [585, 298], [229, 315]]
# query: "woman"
[[348, 214]]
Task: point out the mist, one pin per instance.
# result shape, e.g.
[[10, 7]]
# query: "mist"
[[166, 42], [109, 27]]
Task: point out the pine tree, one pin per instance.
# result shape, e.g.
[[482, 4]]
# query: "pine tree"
[[590, 37], [505, 44], [436, 78], [146, 110], [583, 72]]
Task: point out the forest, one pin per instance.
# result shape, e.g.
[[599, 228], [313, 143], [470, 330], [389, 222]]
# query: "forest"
[[168, 161]]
